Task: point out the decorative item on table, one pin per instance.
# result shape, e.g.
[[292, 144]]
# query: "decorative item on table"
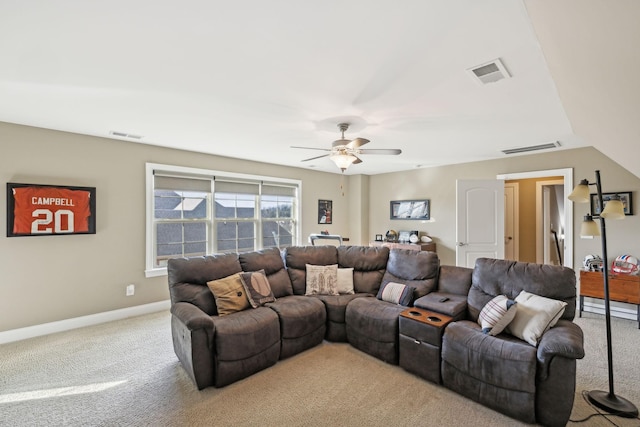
[[403, 236], [414, 237], [391, 236], [378, 237], [592, 263], [426, 239], [625, 264], [325, 232]]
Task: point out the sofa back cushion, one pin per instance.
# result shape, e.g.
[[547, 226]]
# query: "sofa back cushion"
[[297, 258], [492, 277], [269, 260], [414, 268], [368, 263], [188, 278]]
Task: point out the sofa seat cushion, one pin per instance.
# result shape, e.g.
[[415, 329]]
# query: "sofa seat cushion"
[[372, 327], [455, 305], [336, 305], [501, 361], [246, 333], [302, 323]]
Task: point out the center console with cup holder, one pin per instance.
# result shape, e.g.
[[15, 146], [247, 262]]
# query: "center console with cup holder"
[[420, 341]]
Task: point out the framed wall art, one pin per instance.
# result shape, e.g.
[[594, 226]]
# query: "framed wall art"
[[49, 210], [325, 211], [625, 198], [410, 209]]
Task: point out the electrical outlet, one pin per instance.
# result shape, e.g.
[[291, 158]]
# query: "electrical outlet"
[[131, 290]]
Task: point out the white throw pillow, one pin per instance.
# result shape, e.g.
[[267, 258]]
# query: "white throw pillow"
[[345, 281], [322, 279], [497, 314], [535, 315]]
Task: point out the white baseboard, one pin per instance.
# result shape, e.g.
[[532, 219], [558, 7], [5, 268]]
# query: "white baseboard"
[[616, 311], [79, 322]]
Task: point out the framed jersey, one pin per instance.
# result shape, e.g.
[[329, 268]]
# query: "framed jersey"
[[50, 210]]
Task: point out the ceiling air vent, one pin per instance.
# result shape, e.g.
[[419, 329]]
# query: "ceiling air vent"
[[555, 144], [125, 135], [490, 72]]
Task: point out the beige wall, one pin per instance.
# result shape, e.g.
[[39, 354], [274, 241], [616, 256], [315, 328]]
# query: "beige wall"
[[439, 185], [45, 279], [50, 278]]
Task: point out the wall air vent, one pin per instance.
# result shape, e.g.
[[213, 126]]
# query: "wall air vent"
[[490, 72], [547, 146], [125, 135]]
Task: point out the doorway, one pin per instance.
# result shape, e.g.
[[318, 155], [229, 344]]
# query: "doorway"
[[549, 216]]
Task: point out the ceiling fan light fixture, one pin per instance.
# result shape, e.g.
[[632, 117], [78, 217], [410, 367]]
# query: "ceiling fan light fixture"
[[343, 160]]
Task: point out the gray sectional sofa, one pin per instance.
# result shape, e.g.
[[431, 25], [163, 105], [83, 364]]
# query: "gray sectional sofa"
[[529, 383]]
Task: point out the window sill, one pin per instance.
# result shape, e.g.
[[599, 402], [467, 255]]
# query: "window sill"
[[155, 272]]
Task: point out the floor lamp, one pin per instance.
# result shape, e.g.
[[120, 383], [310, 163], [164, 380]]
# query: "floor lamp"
[[614, 209]]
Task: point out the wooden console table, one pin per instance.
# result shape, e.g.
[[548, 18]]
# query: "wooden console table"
[[431, 247], [622, 288]]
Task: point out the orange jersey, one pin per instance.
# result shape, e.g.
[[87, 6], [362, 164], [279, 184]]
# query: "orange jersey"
[[50, 210]]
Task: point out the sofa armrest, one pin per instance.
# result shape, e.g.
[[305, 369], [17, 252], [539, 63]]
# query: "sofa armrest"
[[565, 339], [192, 317]]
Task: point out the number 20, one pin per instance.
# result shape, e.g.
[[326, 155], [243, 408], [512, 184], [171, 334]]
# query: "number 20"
[[48, 218]]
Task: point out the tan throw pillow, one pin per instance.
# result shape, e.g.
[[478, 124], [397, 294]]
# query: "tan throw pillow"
[[345, 281], [535, 315], [229, 294], [322, 279], [257, 287]]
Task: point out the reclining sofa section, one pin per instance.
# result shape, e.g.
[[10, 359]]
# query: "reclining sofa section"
[[536, 384]]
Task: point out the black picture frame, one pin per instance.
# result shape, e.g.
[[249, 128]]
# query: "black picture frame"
[[325, 212], [625, 196], [419, 209], [50, 210]]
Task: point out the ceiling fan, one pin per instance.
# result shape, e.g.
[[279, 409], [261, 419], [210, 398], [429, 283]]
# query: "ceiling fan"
[[345, 152]]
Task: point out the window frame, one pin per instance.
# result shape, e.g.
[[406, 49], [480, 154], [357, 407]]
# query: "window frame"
[[188, 172]]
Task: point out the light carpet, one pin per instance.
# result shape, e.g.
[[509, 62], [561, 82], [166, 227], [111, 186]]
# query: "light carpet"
[[125, 373]]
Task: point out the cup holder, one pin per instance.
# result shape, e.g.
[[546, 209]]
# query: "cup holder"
[[434, 319], [415, 313]]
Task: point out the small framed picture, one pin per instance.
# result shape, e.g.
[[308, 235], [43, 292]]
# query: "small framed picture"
[[378, 237], [325, 211], [625, 198]]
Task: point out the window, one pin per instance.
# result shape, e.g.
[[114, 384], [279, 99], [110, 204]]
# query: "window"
[[194, 212]]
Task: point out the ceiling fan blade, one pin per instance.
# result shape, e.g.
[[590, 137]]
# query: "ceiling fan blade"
[[311, 148], [391, 151], [358, 142], [313, 158], [356, 161]]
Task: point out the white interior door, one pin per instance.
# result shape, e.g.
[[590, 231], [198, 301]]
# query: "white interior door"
[[479, 220]]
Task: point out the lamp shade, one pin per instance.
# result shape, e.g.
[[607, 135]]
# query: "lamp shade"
[[343, 161], [614, 209], [589, 227], [580, 193]]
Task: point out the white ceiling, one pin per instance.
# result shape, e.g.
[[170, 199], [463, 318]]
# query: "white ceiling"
[[249, 79]]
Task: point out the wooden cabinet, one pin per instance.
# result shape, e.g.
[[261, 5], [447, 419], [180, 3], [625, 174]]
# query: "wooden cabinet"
[[622, 288], [431, 247]]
